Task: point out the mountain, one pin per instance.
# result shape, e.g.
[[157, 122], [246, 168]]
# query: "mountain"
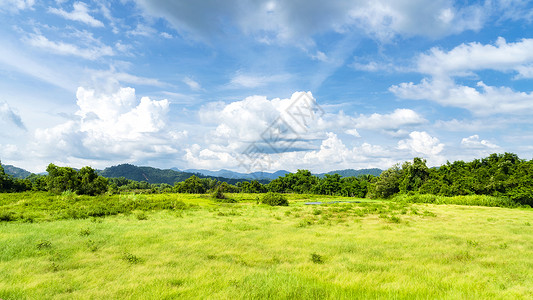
[[353, 173], [271, 176], [237, 175], [16, 172], [155, 175]]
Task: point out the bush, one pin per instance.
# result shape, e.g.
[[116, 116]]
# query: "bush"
[[218, 194], [274, 199], [317, 258]]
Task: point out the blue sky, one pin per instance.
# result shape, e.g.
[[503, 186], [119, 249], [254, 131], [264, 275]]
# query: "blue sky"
[[217, 84]]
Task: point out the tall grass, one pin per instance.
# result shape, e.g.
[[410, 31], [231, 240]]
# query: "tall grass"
[[474, 200], [371, 250]]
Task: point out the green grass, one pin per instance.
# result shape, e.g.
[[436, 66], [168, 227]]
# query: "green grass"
[[244, 250], [474, 200]]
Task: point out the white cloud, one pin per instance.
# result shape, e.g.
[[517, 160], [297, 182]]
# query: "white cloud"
[[110, 127], [258, 134], [24, 63], [16, 5], [465, 60], [143, 30], [79, 13], [8, 118], [352, 132], [394, 123], [321, 56], [193, 85], [166, 35], [386, 19], [422, 143], [295, 21], [119, 116], [124, 48], [254, 81], [331, 154], [474, 142], [470, 125], [482, 100], [113, 78], [9, 151], [91, 53]]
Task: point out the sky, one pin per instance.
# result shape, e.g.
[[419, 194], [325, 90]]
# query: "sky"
[[264, 85]]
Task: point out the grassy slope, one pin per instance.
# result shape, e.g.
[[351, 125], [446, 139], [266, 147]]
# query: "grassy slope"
[[367, 250]]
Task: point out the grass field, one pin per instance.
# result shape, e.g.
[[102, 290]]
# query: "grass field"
[[198, 248]]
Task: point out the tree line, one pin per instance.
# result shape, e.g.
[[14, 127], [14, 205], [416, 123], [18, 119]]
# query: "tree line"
[[501, 175]]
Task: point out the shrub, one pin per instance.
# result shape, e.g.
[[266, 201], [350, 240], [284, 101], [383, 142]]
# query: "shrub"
[[141, 216], [274, 199], [85, 232], [131, 258], [317, 258], [44, 244]]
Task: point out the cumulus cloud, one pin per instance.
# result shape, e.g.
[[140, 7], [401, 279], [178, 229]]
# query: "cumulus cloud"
[[248, 120], [474, 142], [261, 134], [79, 13], [114, 126], [420, 142], [465, 58], [332, 153], [394, 123], [481, 99]]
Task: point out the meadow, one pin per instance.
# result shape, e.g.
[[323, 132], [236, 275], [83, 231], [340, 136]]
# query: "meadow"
[[167, 246]]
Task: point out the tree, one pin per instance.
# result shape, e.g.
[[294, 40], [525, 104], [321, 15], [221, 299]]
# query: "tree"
[[62, 179], [90, 182], [83, 182], [413, 175], [253, 186], [329, 185], [191, 185], [388, 183]]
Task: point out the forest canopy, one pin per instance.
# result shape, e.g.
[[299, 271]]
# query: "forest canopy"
[[501, 175]]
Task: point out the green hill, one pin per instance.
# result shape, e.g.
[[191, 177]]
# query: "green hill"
[[155, 175], [354, 173], [16, 172]]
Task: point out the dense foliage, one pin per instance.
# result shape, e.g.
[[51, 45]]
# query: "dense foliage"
[[498, 175], [9, 183], [274, 199], [82, 182]]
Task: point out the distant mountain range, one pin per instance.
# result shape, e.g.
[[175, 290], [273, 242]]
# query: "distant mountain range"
[[155, 175], [230, 174], [170, 176], [353, 173], [272, 176], [16, 172]]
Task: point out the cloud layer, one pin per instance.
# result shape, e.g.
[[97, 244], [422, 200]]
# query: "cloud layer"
[[114, 126]]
